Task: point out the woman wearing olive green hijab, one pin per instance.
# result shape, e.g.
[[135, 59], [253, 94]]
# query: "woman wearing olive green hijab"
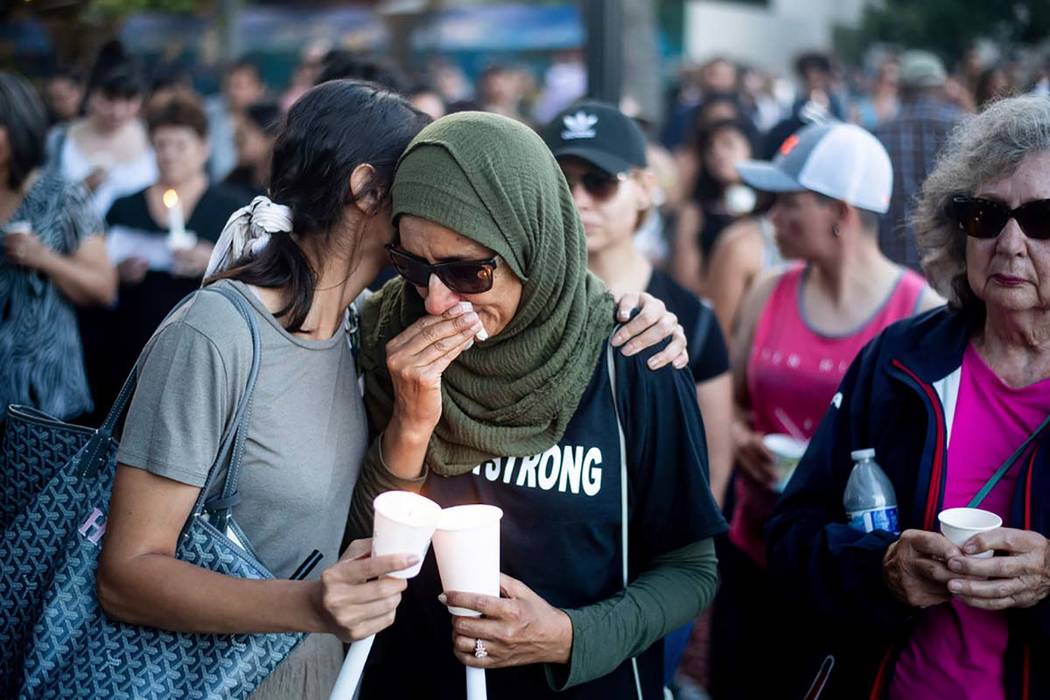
[[520, 413]]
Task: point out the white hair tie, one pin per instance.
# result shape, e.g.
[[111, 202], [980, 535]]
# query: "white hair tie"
[[249, 230]]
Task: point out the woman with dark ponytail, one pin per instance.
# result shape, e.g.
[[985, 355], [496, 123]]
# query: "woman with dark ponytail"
[[299, 258]]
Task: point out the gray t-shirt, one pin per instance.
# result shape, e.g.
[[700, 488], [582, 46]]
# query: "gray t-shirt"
[[306, 438]]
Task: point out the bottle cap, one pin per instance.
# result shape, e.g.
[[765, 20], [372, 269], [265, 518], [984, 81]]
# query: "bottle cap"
[[861, 455]]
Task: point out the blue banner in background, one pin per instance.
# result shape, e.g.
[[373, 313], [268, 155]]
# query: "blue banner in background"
[[502, 28]]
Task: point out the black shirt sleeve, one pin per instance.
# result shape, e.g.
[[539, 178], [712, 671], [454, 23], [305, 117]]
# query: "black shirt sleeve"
[[708, 354], [670, 496]]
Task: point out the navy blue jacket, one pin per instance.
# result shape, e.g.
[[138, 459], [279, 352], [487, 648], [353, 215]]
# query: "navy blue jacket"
[[888, 400]]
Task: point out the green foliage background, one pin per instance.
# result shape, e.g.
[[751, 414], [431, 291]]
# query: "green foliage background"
[[947, 27]]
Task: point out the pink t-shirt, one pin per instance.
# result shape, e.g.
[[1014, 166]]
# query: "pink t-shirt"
[[957, 651], [793, 371]]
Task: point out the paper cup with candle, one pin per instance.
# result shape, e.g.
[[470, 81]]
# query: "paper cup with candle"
[[404, 524], [960, 524], [466, 545]]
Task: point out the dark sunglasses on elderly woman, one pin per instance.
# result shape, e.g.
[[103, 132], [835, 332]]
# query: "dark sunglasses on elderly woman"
[[600, 185], [461, 276], [986, 218]]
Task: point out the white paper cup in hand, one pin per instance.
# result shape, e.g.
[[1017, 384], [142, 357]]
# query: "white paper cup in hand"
[[404, 524], [466, 545], [787, 453], [960, 524]]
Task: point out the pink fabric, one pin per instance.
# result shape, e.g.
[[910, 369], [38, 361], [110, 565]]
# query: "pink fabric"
[[957, 651], [792, 374]]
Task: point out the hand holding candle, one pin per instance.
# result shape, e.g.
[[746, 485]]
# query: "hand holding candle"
[[404, 523], [466, 545]]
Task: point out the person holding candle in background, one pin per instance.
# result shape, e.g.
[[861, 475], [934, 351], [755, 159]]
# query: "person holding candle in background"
[[160, 238]]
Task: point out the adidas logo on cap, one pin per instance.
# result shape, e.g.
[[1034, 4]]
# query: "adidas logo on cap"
[[579, 126]]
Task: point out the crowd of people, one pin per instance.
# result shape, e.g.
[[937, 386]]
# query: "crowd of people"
[[459, 290]]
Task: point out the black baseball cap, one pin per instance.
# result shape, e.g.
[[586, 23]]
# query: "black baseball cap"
[[599, 134]]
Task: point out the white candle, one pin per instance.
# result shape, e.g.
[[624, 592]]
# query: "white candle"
[[177, 235]]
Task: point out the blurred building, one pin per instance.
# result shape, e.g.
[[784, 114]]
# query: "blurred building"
[[768, 34]]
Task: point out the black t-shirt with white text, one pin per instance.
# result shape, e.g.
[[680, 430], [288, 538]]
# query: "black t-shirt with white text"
[[561, 531]]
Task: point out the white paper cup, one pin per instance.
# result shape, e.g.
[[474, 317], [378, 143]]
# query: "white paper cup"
[[960, 524], [404, 524], [787, 453], [466, 545]]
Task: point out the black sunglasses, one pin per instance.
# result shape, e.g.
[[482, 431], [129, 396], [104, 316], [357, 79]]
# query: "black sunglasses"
[[986, 218], [600, 185], [461, 276]]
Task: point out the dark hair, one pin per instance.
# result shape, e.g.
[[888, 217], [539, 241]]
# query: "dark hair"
[[23, 117], [66, 72], [266, 116], [329, 131], [115, 74], [177, 108], [170, 76], [339, 64], [707, 188], [812, 60]]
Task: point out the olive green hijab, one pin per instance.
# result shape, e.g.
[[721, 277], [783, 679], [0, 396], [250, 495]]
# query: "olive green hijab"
[[494, 181]]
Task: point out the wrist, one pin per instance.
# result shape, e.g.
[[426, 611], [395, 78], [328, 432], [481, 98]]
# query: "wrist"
[[562, 652], [44, 261], [412, 434], [318, 619], [402, 449]]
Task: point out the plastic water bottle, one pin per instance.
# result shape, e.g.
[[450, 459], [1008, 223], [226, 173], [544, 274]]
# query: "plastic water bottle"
[[869, 500]]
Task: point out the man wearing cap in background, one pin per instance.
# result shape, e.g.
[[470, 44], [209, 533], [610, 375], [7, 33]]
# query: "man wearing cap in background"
[[798, 331], [913, 139], [602, 153]]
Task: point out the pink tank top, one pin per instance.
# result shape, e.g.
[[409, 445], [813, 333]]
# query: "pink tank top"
[[793, 372]]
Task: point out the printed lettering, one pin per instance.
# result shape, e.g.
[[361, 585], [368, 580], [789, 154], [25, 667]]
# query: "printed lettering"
[[508, 469], [92, 525], [527, 471], [492, 469], [592, 472], [549, 476], [571, 466]]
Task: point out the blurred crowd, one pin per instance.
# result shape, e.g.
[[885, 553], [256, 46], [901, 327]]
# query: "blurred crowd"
[[117, 182]]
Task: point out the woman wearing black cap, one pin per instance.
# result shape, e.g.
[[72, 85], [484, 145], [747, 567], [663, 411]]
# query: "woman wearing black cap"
[[602, 153], [612, 187]]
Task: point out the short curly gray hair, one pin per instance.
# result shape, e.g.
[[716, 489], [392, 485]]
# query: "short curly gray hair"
[[983, 148]]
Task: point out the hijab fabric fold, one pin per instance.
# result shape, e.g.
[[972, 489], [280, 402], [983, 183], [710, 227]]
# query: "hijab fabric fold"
[[494, 181]]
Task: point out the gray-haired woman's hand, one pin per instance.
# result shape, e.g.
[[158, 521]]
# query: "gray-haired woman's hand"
[[916, 568], [417, 357], [652, 325], [1018, 580], [357, 598]]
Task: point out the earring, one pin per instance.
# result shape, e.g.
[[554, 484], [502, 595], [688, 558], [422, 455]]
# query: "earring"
[[835, 231]]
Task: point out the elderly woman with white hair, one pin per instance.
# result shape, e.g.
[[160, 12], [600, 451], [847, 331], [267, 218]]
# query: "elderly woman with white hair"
[[955, 404]]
